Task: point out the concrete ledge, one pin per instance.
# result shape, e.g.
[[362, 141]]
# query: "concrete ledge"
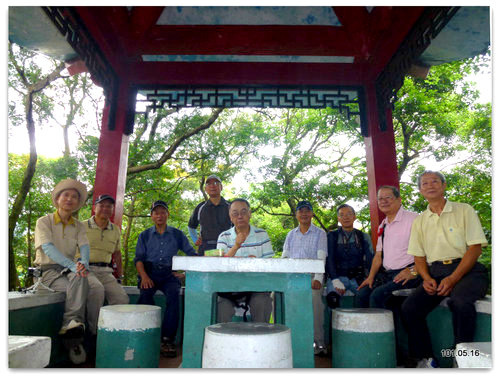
[[29, 352], [482, 305], [19, 300], [223, 264], [474, 355], [133, 290]]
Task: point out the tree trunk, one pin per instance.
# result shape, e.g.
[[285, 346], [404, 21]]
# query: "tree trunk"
[[29, 280], [66, 141], [23, 191]]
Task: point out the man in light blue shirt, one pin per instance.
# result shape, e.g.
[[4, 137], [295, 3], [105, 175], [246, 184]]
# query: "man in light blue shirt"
[[307, 241], [244, 240]]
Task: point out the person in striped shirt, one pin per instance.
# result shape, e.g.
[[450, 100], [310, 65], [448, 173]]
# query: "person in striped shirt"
[[244, 240]]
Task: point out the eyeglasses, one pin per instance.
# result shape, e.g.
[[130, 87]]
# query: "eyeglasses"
[[243, 213], [386, 198], [213, 183]]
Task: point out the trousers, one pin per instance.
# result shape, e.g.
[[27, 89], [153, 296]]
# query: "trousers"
[[79, 295], [170, 286], [103, 284], [377, 297], [260, 307], [419, 304]]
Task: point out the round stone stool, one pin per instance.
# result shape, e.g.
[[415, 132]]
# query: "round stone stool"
[[128, 336], [474, 355], [363, 337], [247, 345]]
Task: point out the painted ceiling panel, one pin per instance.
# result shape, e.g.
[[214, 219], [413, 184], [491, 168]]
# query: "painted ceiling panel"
[[466, 35], [31, 28], [324, 16]]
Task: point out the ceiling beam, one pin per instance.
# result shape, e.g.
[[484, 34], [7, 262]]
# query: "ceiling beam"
[[242, 73], [249, 39], [402, 20]]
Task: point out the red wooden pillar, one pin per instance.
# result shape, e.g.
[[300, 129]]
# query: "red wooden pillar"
[[112, 158], [381, 162]]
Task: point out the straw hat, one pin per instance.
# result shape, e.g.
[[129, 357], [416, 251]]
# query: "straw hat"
[[70, 184]]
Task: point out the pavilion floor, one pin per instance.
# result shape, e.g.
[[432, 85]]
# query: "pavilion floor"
[[319, 361]]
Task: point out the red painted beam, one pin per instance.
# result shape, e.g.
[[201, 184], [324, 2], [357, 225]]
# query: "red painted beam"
[[231, 73], [381, 160], [402, 20], [249, 39], [356, 22], [111, 44], [112, 158]]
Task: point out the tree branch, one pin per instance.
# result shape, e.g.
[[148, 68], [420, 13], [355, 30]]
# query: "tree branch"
[[171, 150]]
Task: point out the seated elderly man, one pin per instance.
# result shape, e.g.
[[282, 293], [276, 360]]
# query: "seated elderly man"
[[153, 260], [350, 255], [307, 241], [392, 267], [446, 240], [104, 240], [58, 237], [244, 240]]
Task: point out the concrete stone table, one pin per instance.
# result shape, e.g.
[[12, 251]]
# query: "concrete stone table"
[[205, 276]]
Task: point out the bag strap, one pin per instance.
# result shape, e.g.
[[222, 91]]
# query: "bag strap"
[[383, 233]]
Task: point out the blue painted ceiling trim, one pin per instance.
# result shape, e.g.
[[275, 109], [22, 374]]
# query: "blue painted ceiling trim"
[[248, 58]]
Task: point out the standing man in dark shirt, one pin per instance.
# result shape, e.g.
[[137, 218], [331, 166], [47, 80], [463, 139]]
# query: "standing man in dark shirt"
[[212, 216], [153, 259]]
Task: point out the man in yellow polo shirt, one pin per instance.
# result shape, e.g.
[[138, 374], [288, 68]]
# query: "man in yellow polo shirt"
[[446, 241], [104, 241]]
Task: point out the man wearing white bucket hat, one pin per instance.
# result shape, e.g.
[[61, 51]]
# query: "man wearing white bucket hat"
[[58, 237]]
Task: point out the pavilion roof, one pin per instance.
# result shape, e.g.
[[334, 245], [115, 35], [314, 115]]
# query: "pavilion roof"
[[260, 46]]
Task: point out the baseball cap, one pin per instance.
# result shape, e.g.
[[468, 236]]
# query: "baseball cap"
[[159, 203], [104, 197], [213, 177], [303, 204]]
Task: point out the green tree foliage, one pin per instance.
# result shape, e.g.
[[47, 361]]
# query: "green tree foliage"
[[39, 85], [317, 157], [440, 117], [38, 203], [28, 80], [285, 156], [431, 113]]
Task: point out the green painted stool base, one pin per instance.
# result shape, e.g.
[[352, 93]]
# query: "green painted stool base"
[[363, 350], [128, 349]]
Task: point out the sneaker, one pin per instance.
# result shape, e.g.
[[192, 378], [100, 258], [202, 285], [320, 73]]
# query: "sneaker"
[[320, 350], [73, 324], [168, 349], [77, 354], [427, 363]]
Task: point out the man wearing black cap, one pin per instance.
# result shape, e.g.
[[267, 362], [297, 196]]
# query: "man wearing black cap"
[[104, 240], [212, 216], [153, 259]]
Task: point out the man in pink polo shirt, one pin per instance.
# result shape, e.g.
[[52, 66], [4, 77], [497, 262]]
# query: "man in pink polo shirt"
[[392, 267]]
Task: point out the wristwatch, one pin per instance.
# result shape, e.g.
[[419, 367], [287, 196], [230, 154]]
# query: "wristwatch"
[[413, 272]]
